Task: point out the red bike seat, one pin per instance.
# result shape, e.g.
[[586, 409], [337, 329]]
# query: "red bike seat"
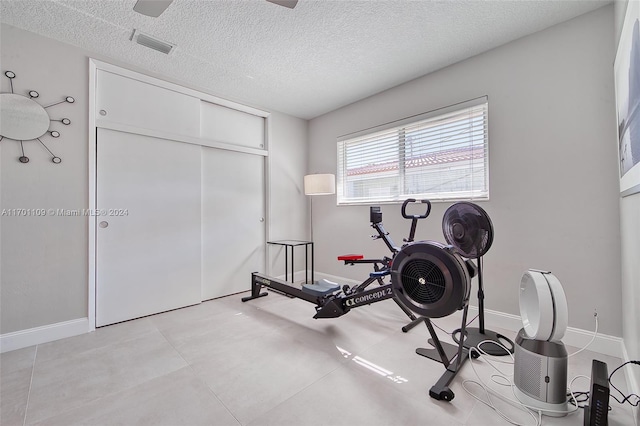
[[351, 257]]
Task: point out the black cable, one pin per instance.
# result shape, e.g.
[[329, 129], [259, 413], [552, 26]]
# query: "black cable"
[[472, 320], [626, 398], [440, 328], [457, 331], [585, 398], [580, 398]]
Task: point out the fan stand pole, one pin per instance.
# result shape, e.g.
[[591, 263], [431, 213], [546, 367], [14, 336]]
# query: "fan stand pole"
[[475, 335]]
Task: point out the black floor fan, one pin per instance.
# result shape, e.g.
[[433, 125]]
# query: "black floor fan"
[[468, 228]]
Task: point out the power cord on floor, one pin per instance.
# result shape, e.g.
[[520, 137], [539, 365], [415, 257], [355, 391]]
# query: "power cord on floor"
[[625, 398], [505, 380], [580, 396], [632, 399], [488, 391], [595, 333], [451, 333]]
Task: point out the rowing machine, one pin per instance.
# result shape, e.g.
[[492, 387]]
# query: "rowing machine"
[[427, 278], [329, 300]]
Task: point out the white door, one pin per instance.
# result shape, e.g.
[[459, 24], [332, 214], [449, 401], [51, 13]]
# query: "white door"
[[149, 243], [233, 221]]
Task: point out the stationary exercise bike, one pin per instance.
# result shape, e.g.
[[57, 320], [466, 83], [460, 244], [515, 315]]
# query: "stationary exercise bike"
[[428, 278]]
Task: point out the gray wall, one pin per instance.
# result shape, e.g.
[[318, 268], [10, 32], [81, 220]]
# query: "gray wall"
[[43, 263], [553, 166], [630, 231], [288, 204], [44, 259]]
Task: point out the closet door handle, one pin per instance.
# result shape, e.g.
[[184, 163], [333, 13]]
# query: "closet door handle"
[[103, 224]]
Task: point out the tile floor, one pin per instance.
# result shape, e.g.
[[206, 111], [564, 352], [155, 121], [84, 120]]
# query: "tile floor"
[[265, 362]]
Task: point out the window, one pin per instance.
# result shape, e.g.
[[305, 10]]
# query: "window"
[[440, 155]]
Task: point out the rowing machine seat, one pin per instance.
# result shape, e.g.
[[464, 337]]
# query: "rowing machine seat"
[[321, 288], [348, 257]]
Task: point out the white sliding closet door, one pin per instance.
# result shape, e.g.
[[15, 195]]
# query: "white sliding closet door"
[[233, 221], [148, 255]]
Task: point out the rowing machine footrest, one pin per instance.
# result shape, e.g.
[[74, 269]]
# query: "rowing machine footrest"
[[379, 274], [348, 257], [320, 288]]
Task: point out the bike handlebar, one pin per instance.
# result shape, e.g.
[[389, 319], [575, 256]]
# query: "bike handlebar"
[[413, 200]]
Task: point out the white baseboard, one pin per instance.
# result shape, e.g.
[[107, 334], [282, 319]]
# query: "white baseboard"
[[47, 333], [299, 277], [603, 343], [336, 279], [576, 337]]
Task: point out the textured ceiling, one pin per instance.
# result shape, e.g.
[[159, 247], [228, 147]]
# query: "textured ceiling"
[[304, 61]]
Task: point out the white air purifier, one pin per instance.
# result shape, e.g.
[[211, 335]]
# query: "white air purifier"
[[540, 366]]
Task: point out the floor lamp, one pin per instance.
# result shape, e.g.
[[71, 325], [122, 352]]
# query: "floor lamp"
[[318, 184]]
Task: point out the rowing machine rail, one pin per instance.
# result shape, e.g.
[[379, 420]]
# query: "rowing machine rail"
[[330, 306]]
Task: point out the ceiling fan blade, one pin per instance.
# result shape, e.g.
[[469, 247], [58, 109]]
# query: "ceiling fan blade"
[[153, 8], [286, 3]]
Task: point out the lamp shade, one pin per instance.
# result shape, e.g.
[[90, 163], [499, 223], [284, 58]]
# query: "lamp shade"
[[319, 184]]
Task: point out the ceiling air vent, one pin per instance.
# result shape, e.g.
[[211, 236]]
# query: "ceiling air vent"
[[152, 42]]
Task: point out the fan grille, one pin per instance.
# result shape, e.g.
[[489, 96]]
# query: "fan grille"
[[423, 281], [467, 227]]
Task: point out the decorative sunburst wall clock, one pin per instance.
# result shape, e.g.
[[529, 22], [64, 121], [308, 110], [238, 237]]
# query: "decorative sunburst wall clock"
[[23, 119]]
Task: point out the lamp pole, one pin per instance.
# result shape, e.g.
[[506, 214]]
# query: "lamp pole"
[[318, 184]]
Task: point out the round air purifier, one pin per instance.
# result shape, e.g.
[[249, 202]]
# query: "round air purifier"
[[540, 366], [430, 279], [543, 306]]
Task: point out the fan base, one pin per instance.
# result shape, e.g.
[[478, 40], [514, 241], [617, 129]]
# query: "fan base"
[[473, 337], [451, 351]]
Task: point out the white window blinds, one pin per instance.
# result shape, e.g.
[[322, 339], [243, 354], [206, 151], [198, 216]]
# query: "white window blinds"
[[440, 155]]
